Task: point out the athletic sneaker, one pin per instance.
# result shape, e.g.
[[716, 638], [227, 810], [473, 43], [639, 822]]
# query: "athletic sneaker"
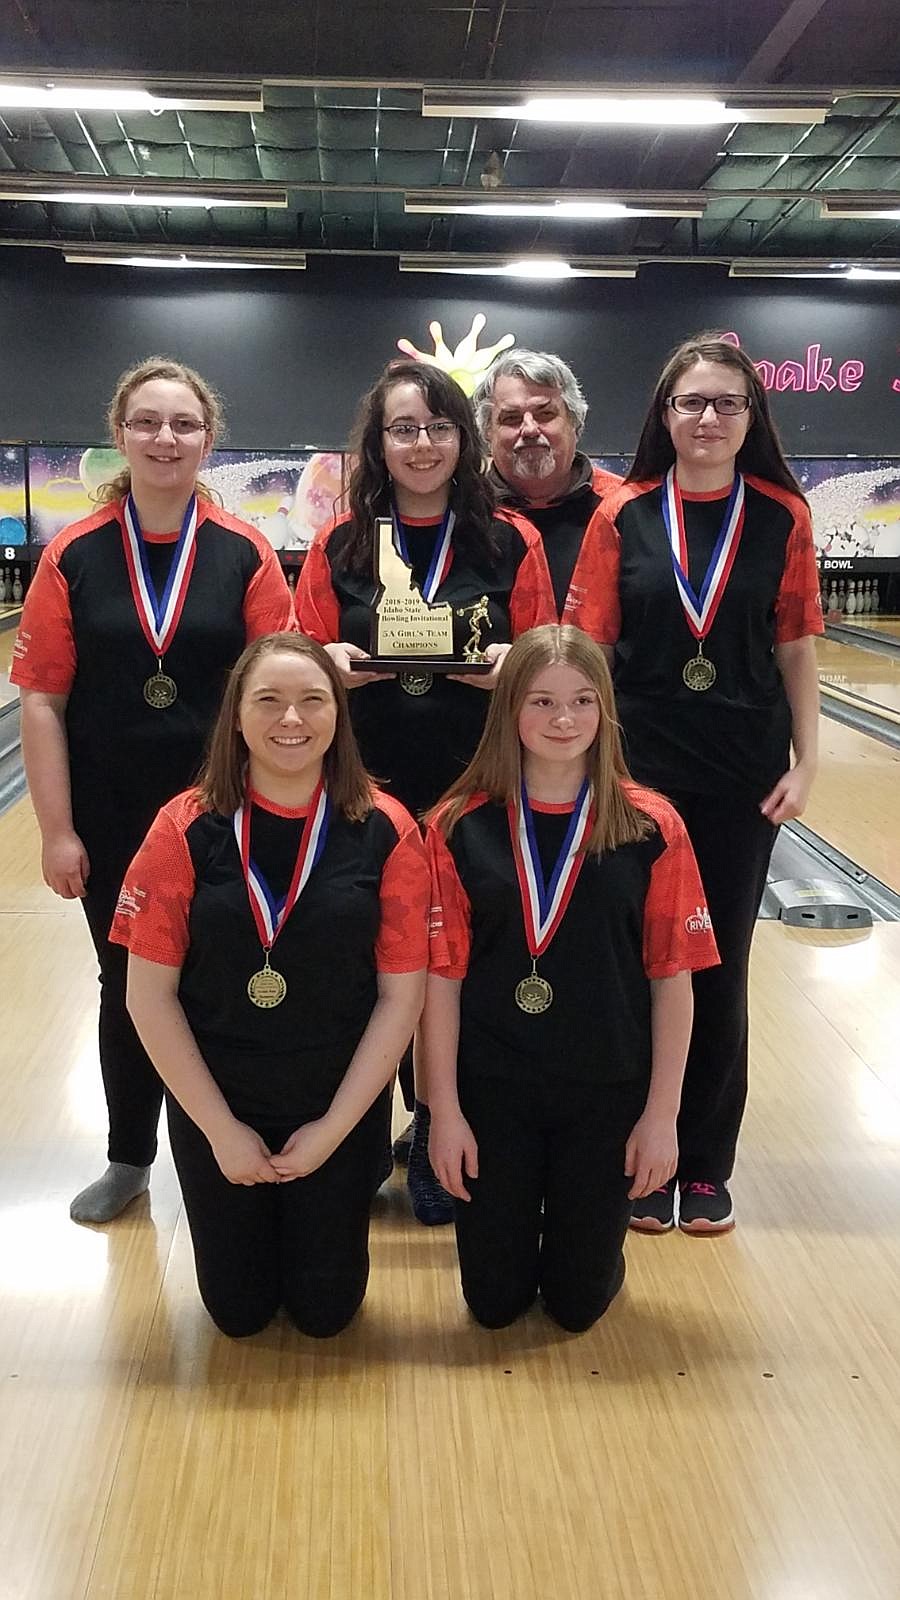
[[705, 1208], [431, 1203], [655, 1213], [402, 1143]]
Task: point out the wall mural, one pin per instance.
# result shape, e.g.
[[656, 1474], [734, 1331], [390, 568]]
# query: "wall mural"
[[12, 495], [855, 501], [467, 364], [288, 496]]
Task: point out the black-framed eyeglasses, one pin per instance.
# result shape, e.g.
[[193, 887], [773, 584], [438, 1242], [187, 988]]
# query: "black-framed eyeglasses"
[[440, 432], [150, 427], [724, 405]]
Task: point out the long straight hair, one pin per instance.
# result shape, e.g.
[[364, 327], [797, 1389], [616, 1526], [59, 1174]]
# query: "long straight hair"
[[496, 767], [222, 783], [173, 372], [761, 452], [369, 494]]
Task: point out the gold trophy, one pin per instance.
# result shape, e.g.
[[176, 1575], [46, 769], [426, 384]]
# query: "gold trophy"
[[410, 635]]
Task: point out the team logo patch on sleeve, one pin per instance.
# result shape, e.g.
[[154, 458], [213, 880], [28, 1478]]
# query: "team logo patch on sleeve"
[[129, 901], [698, 921]]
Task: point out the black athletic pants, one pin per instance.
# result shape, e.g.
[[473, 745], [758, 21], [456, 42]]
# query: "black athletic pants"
[[560, 1146], [132, 1086], [303, 1245], [733, 842]]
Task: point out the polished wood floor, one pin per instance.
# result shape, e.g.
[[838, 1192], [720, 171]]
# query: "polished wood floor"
[[732, 1429]]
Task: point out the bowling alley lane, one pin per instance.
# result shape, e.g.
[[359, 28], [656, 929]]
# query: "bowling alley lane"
[[8, 692], [869, 677]]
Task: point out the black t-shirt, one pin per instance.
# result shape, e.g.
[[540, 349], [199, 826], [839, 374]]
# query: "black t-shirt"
[[636, 913], [81, 636], [417, 744], [735, 736], [562, 523], [185, 903]]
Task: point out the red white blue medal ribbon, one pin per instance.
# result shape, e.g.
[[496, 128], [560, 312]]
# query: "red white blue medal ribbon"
[[159, 617], [441, 556], [700, 610], [544, 903], [269, 914]]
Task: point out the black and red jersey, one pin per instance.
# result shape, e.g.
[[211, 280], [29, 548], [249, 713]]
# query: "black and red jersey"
[[636, 913], [562, 524], [418, 744], [80, 636], [363, 910], [735, 736]]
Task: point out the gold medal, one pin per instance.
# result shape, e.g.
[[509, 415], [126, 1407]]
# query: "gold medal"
[[416, 683], [534, 994], [267, 988], [698, 673], [160, 691]]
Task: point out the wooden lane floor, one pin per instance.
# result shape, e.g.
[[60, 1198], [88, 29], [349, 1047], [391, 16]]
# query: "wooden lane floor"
[[8, 691], [731, 1428], [879, 624], [867, 678], [855, 801]]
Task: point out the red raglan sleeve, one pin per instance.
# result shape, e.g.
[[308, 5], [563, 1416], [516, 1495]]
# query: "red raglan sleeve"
[[449, 927], [531, 601], [678, 933], [402, 943], [268, 604], [798, 608], [44, 652], [151, 916], [316, 604], [592, 602]]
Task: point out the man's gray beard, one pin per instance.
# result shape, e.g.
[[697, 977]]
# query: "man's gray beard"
[[544, 462]]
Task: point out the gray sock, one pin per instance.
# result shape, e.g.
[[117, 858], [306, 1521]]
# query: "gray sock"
[[103, 1200]]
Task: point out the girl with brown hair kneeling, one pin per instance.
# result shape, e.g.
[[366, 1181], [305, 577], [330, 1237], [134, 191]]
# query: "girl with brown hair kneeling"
[[276, 924]]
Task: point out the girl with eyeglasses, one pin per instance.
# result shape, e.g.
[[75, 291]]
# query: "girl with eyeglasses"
[[133, 617], [707, 594], [419, 462], [567, 918]]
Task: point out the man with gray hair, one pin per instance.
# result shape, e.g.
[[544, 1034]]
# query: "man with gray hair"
[[531, 413]]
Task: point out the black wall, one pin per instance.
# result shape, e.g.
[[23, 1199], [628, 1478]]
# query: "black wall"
[[291, 352]]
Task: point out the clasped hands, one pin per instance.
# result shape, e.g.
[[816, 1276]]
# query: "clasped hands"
[[245, 1158]]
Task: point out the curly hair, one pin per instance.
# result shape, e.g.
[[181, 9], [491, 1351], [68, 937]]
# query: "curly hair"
[[369, 492]]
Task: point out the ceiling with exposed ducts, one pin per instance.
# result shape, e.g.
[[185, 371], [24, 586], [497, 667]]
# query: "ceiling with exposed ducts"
[[342, 132]]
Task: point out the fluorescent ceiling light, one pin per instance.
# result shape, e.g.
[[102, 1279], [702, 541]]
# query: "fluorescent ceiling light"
[[62, 94], [636, 109], [178, 198], [237, 263], [582, 210], [547, 269], [836, 271], [873, 274], [860, 209]]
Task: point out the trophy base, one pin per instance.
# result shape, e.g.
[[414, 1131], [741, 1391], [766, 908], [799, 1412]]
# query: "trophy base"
[[417, 664]]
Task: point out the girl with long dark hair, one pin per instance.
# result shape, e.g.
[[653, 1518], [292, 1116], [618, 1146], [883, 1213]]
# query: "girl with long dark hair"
[[707, 596], [419, 463]]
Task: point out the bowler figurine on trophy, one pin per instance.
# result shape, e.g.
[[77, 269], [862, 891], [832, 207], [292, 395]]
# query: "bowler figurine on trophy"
[[412, 636]]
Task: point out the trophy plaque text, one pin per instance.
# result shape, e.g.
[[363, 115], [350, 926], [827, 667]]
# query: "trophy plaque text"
[[410, 635]]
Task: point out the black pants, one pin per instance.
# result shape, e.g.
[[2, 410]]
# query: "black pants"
[[303, 1245], [733, 843], [132, 1086], [563, 1147]]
